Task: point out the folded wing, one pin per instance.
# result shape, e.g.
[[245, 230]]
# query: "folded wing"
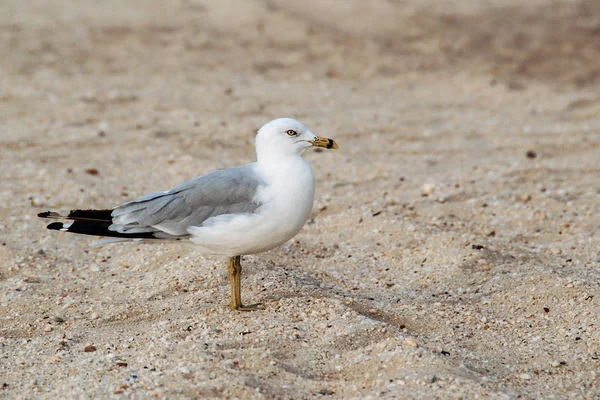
[[168, 215]]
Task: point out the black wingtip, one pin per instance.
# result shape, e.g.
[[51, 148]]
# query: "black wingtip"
[[95, 228], [83, 215], [91, 215], [55, 226]]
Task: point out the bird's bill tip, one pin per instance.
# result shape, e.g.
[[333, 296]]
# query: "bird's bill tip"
[[325, 142]]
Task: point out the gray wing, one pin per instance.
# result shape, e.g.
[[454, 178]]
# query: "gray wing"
[[228, 191]]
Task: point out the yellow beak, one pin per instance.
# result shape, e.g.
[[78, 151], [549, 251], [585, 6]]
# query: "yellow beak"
[[325, 142]]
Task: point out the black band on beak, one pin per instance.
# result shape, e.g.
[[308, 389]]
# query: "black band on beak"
[[325, 143]]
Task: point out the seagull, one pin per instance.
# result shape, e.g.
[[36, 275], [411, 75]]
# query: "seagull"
[[232, 212]]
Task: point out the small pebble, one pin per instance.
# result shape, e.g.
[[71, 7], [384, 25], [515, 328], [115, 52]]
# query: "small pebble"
[[120, 389], [525, 377], [525, 198], [555, 363], [411, 342], [427, 189], [326, 392], [90, 348]]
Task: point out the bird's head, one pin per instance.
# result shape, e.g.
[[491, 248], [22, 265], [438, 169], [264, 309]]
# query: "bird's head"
[[288, 137]]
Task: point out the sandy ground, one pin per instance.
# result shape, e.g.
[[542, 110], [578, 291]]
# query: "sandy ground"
[[454, 248]]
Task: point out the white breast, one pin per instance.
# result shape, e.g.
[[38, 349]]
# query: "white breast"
[[286, 199]]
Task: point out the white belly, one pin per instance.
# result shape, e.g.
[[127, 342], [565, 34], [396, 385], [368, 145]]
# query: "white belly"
[[287, 202]]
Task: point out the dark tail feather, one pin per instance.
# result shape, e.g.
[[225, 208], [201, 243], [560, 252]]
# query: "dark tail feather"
[[80, 215], [96, 228]]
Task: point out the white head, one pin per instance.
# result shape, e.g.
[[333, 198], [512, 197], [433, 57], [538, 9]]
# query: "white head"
[[287, 137]]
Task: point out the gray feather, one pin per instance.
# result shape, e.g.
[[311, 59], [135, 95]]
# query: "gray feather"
[[229, 191]]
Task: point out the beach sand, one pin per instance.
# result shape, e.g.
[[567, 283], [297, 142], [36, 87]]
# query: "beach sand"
[[454, 246]]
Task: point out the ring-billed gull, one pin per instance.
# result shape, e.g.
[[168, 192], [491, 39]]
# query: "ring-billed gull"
[[233, 212]]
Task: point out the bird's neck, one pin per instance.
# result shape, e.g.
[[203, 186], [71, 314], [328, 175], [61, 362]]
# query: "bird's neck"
[[268, 155], [277, 167]]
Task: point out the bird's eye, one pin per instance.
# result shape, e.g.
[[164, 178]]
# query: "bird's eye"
[[291, 132]]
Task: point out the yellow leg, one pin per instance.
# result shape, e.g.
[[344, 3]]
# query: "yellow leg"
[[232, 279], [235, 281]]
